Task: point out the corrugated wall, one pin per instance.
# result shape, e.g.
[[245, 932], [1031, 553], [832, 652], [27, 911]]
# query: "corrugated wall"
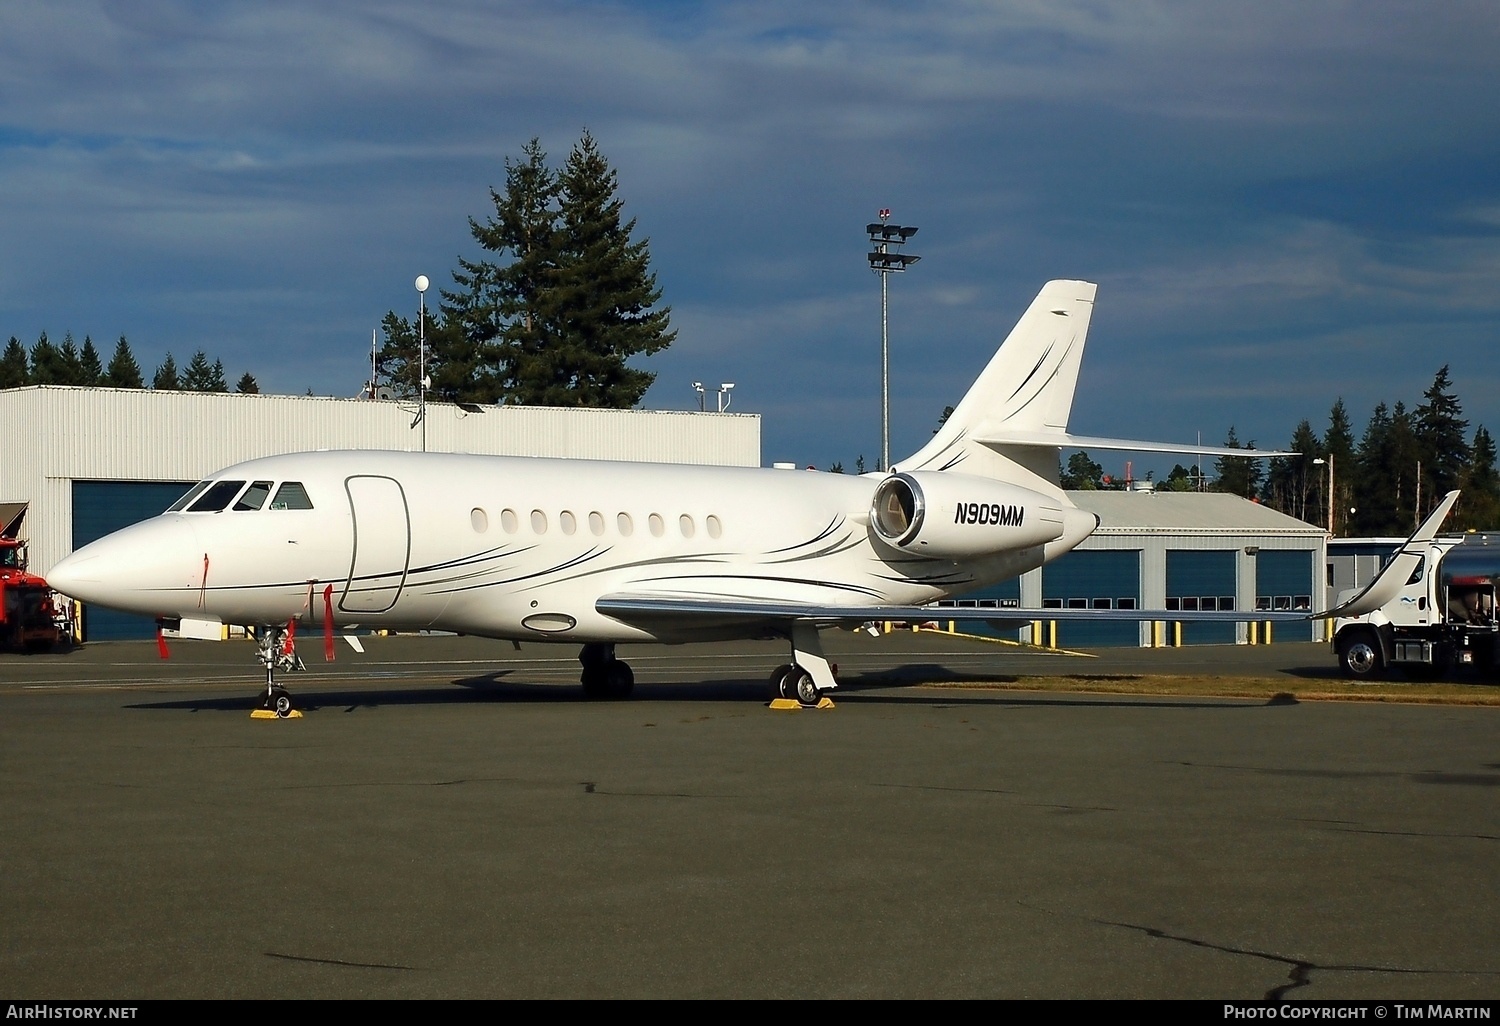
[[55, 434]]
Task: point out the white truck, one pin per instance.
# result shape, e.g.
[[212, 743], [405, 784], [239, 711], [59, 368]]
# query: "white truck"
[[1441, 619]]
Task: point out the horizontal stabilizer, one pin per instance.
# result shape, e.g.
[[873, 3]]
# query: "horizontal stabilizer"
[[1389, 582], [1063, 440]]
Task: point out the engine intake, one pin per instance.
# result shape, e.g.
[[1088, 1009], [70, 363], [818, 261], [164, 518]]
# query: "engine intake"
[[958, 516]]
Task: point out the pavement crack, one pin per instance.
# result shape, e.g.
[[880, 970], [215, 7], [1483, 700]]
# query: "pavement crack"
[[1300, 970], [342, 962]]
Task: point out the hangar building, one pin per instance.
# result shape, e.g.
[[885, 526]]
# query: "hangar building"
[[92, 460], [1176, 551]]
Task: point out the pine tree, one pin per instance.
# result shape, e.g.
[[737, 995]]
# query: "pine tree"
[[72, 364], [166, 379], [216, 382], [1338, 449], [1479, 507], [1293, 483], [47, 364], [88, 362], [505, 313], [199, 376], [604, 290], [1439, 429], [123, 371], [13, 370], [1237, 475], [247, 385]]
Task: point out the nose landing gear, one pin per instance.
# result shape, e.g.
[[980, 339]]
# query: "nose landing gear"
[[276, 651], [603, 675]]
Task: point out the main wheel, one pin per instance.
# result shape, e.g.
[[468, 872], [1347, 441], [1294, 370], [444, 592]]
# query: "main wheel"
[[805, 687], [781, 681], [1360, 656], [619, 680]]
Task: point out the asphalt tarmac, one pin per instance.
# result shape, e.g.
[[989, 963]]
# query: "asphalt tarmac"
[[451, 819]]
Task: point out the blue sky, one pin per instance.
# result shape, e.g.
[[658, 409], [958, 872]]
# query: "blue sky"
[[1283, 203]]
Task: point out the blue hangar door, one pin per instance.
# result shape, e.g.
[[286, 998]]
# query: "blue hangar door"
[[103, 507], [1284, 582], [1199, 579], [1100, 579]]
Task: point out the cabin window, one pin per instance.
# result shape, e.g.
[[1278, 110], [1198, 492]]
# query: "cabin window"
[[596, 522], [658, 525], [685, 525], [217, 497], [714, 527], [625, 524], [538, 521], [567, 521], [479, 520], [509, 521], [291, 495], [192, 493], [255, 497]]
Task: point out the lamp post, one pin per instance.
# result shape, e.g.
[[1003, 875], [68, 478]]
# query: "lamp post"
[[422, 355], [724, 395], [883, 261]]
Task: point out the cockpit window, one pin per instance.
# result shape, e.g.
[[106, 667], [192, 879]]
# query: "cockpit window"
[[192, 494], [216, 497], [291, 495], [254, 497]]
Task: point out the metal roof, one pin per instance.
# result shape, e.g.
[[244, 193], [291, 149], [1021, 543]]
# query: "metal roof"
[[1186, 512]]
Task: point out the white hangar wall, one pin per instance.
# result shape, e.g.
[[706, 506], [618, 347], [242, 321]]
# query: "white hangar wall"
[[56, 435]]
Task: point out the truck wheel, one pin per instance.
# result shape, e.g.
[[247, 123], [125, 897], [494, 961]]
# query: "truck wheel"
[[1360, 656]]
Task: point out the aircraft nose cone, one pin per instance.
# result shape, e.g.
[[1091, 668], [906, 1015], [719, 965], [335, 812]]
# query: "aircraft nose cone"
[[144, 568]]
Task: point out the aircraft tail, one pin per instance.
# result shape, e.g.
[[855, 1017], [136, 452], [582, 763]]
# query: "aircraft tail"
[[1014, 419]]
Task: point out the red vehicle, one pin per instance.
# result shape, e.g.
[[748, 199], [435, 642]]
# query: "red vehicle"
[[28, 618]]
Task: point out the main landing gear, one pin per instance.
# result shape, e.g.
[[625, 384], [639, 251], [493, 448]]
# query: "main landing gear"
[[603, 675], [276, 651], [809, 677]]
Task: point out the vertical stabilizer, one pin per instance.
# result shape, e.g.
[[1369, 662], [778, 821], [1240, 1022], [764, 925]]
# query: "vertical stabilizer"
[[1026, 388]]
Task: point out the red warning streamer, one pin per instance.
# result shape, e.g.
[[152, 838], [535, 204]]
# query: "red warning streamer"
[[161, 644], [328, 624]]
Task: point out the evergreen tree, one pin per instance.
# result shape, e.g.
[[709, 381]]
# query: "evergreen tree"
[[47, 364], [199, 376], [88, 361], [605, 291], [1439, 428], [13, 369], [247, 385], [123, 371], [1386, 474], [72, 365], [216, 382], [1338, 448], [506, 313], [166, 379], [1479, 507], [1237, 475], [1293, 483], [1180, 479]]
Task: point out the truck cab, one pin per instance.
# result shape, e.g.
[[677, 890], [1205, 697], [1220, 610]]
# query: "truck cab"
[[1443, 617]]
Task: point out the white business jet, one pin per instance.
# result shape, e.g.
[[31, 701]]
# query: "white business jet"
[[602, 553]]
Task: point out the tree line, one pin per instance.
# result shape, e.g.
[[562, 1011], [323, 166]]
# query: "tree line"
[[48, 363], [1405, 461]]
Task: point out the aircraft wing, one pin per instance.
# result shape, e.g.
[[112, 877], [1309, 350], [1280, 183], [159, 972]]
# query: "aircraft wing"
[[670, 612], [1063, 440]]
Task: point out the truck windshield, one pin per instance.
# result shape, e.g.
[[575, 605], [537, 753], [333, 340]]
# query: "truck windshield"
[[10, 558]]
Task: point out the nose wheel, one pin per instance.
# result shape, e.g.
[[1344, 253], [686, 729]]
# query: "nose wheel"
[[276, 651]]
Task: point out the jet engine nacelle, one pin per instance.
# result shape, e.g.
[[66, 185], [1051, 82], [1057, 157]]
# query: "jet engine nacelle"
[[958, 516]]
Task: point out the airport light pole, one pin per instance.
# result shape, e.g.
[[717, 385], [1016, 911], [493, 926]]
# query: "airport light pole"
[[422, 355], [884, 259]]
